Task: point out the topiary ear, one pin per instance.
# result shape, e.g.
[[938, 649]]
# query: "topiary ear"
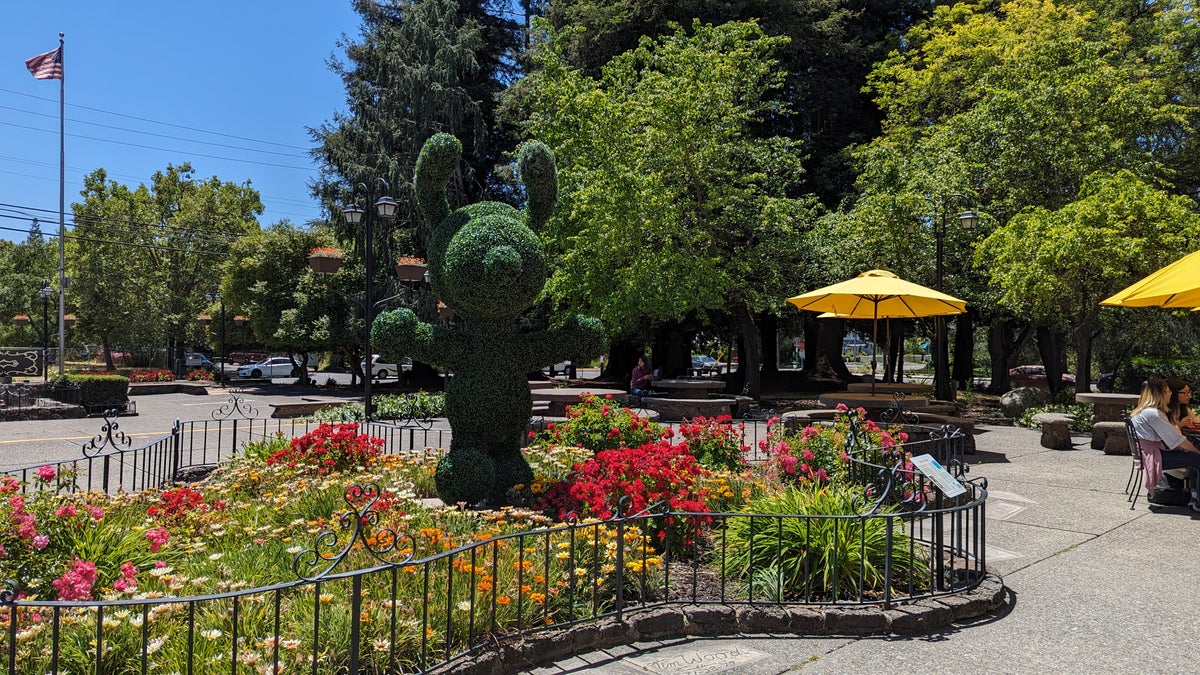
[[435, 165], [541, 183]]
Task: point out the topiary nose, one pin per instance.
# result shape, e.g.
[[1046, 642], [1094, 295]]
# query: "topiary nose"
[[501, 265]]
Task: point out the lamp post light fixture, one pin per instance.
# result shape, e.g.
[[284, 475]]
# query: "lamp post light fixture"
[[216, 297], [385, 207], [45, 292], [941, 357]]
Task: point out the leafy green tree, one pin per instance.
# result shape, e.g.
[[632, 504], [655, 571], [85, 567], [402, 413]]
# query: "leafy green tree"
[[833, 45], [1056, 266], [143, 259], [1014, 107], [23, 267], [267, 279], [670, 204]]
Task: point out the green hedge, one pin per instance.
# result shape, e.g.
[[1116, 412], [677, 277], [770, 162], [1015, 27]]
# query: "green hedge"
[[96, 389]]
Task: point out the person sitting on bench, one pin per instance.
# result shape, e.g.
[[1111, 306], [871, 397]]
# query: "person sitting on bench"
[[643, 375]]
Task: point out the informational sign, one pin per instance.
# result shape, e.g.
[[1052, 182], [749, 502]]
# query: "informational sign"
[[17, 361], [937, 473]]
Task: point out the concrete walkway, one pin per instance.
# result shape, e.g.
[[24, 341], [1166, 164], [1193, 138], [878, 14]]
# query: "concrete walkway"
[[1094, 587]]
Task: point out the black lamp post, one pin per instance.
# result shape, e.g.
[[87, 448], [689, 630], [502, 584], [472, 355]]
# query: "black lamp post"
[[941, 356], [216, 297], [45, 292], [385, 207]]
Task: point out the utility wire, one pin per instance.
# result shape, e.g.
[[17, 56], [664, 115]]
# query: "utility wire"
[[145, 119], [151, 133]]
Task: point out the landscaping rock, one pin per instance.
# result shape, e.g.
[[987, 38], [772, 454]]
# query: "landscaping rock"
[[1015, 402]]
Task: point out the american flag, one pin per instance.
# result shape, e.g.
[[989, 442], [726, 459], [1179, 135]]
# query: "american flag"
[[47, 66]]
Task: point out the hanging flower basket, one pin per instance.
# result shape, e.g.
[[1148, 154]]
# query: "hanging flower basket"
[[411, 269], [21, 320], [239, 320], [325, 259], [203, 319]]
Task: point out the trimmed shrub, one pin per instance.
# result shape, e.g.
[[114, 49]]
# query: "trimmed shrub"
[[99, 389]]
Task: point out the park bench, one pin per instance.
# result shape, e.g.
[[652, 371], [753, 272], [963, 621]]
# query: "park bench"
[[686, 408]]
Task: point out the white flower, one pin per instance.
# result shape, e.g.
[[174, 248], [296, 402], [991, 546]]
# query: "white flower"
[[216, 556], [211, 634]]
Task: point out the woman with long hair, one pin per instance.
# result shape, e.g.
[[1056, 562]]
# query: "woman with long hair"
[[1159, 440], [1181, 397]]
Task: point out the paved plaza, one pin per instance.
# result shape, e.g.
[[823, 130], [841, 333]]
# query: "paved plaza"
[[1094, 586]]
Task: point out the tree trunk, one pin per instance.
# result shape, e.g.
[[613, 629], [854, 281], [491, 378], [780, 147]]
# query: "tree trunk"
[[622, 357], [964, 351], [829, 349], [1083, 363], [812, 338], [1050, 348], [768, 331], [895, 352], [1003, 347], [751, 362]]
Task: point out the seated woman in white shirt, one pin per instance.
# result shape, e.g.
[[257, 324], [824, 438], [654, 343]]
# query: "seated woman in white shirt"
[[1161, 444]]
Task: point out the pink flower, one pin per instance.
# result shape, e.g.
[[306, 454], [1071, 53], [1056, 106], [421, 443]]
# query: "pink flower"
[[41, 541], [46, 473], [158, 538], [788, 463], [9, 484], [76, 584], [66, 511], [17, 503], [96, 512]]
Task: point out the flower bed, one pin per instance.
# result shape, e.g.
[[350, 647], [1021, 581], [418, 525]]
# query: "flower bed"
[[257, 555]]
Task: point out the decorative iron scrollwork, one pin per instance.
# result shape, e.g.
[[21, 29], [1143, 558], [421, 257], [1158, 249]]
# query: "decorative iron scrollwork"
[[897, 413], [236, 404], [361, 524], [110, 436], [8, 592]]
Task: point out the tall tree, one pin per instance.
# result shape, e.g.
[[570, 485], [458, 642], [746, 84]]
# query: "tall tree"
[[834, 44], [1015, 106], [670, 205], [24, 266], [1056, 266], [155, 250]]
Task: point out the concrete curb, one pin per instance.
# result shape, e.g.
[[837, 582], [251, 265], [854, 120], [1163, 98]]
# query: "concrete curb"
[[708, 620]]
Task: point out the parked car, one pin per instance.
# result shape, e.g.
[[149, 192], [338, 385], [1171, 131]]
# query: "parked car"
[[382, 371], [703, 364], [560, 368], [1035, 376], [275, 366], [198, 360]]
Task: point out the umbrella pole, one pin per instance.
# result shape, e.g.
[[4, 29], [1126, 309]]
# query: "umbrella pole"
[[874, 344]]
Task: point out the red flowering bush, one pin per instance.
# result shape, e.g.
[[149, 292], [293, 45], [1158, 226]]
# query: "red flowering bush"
[[599, 424], [198, 374], [159, 375], [716, 442], [646, 475], [330, 448]]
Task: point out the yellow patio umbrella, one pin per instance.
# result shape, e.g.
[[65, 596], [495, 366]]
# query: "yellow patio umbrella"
[[1176, 285], [878, 294]]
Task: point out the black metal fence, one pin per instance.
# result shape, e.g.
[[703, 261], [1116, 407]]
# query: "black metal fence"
[[21, 396], [404, 604]]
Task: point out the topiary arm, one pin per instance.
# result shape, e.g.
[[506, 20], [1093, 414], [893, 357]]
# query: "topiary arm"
[[399, 333], [541, 183], [581, 338], [435, 165]]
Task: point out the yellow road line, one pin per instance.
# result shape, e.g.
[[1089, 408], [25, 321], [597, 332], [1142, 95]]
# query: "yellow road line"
[[78, 438]]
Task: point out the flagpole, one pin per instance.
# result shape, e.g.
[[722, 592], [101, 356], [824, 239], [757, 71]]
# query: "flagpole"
[[62, 208]]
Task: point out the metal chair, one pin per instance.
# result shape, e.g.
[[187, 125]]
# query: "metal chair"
[[1133, 486]]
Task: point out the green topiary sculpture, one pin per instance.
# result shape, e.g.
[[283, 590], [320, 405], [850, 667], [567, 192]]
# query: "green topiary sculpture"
[[488, 264]]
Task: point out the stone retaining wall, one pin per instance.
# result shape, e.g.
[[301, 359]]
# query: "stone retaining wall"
[[706, 620]]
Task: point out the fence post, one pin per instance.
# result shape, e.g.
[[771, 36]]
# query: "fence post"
[[176, 447], [355, 614]]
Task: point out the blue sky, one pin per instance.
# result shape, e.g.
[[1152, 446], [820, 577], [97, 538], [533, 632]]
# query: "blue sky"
[[227, 86]]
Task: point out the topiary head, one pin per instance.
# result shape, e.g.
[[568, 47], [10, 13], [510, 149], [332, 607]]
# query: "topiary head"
[[485, 260]]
